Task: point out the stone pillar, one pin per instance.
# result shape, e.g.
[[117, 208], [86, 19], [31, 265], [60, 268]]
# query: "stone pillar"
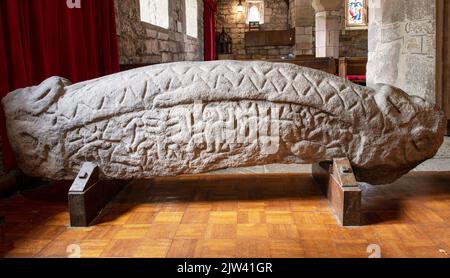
[[303, 21], [328, 25], [402, 45]]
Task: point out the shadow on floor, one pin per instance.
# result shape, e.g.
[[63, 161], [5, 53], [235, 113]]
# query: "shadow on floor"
[[27, 210], [379, 204]]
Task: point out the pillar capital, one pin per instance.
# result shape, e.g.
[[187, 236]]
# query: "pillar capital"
[[326, 5]]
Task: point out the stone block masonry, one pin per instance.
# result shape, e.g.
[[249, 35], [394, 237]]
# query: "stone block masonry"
[[327, 33], [299, 14], [402, 49], [352, 43], [143, 43], [276, 17], [304, 23]]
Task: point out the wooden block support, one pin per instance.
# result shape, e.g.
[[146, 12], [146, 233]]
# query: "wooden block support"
[[338, 183], [88, 195]]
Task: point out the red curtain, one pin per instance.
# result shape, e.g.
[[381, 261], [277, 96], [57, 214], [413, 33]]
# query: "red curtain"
[[43, 38], [210, 9]]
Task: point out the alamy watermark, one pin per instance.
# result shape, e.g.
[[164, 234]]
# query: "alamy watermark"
[[374, 250], [73, 251], [73, 4], [215, 127]]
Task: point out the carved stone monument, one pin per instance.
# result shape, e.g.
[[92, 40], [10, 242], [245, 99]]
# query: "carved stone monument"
[[194, 117]]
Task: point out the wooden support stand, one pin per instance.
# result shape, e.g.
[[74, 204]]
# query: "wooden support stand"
[[89, 195], [338, 183]]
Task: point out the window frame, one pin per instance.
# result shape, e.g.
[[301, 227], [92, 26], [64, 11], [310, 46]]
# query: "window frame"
[[261, 10], [365, 25]]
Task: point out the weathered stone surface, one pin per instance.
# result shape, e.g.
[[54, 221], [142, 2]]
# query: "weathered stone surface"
[[196, 117], [401, 42]]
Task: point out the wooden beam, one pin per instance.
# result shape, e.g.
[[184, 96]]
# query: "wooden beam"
[[443, 58], [89, 195], [338, 183], [270, 38]]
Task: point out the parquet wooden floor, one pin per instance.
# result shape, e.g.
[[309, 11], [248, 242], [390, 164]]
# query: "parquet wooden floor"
[[233, 216]]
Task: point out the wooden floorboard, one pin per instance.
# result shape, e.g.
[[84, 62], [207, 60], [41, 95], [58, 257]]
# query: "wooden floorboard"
[[250, 216]]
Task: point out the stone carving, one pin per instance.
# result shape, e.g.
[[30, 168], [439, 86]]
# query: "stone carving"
[[194, 117]]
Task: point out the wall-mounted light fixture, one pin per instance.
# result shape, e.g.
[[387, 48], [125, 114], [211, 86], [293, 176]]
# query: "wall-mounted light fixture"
[[240, 7]]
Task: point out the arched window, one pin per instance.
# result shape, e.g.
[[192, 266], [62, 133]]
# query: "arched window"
[[191, 18], [356, 14], [255, 11], [155, 12], [254, 15]]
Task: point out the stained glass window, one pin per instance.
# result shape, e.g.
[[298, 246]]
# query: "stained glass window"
[[356, 14]]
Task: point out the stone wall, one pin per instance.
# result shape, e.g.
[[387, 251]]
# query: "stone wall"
[[402, 45], [143, 43], [276, 17], [304, 20], [300, 15], [291, 14], [353, 43]]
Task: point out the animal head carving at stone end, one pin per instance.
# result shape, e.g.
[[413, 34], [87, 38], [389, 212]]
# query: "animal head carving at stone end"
[[36, 99], [131, 123], [424, 124], [32, 103]]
